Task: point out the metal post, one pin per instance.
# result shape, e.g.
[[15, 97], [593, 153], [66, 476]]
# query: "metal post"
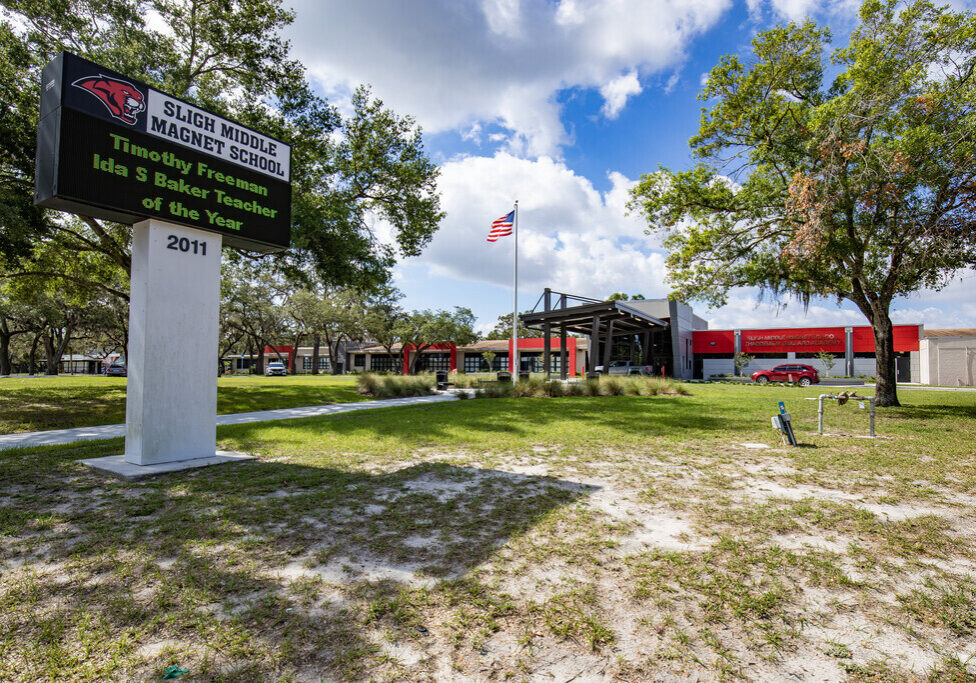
[[820, 411], [547, 350], [594, 344], [547, 343], [607, 349], [849, 351], [563, 354]]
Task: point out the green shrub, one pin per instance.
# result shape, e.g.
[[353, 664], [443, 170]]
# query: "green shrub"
[[496, 390], [396, 386]]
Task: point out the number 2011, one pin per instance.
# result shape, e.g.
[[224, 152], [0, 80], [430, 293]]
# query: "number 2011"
[[185, 245]]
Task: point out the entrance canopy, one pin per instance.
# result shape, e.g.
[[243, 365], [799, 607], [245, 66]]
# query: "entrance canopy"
[[581, 318], [602, 321]]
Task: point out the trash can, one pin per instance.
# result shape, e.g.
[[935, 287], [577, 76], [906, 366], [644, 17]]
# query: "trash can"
[[504, 377], [592, 376], [523, 377], [441, 376]]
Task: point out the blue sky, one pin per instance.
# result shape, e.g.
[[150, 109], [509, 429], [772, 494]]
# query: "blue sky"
[[561, 105]]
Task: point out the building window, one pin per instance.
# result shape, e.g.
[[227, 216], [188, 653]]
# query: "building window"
[[500, 362], [383, 362], [323, 363], [433, 362], [359, 360], [473, 362]]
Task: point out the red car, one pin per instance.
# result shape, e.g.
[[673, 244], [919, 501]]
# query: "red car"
[[803, 374]]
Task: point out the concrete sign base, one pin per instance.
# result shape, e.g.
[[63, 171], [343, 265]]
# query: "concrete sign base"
[[117, 466], [171, 395]]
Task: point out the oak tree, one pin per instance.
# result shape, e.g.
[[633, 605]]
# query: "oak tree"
[[228, 56], [860, 186]]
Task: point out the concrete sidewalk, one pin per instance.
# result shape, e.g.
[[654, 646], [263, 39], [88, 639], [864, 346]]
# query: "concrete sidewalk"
[[65, 436]]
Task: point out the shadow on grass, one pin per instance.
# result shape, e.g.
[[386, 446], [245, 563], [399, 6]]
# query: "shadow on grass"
[[101, 400], [931, 412], [234, 563], [486, 422]]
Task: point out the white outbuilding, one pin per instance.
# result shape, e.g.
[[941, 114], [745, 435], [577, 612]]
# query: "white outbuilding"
[[948, 358]]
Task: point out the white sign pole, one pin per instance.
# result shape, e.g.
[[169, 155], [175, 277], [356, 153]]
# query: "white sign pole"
[[171, 398]]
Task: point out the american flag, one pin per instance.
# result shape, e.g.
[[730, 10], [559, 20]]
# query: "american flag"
[[501, 227]]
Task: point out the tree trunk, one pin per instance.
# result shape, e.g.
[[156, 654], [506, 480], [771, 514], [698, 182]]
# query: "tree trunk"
[[4, 353], [62, 343], [886, 390], [293, 357], [250, 355], [5, 335], [32, 358], [49, 352], [316, 342], [334, 353]]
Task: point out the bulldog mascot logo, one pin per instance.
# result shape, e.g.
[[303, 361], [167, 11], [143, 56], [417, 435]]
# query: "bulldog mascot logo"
[[122, 99]]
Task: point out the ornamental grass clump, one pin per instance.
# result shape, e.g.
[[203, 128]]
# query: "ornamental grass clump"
[[533, 387], [396, 386], [574, 389], [537, 387], [656, 386], [614, 386]]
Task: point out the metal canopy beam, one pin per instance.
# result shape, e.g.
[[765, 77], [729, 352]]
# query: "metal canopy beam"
[[579, 319]]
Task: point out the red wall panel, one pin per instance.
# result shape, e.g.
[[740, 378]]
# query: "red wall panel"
[[801, 340], [713, 341], [906, 338]]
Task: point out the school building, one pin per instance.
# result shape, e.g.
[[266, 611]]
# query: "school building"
[[580, 335]]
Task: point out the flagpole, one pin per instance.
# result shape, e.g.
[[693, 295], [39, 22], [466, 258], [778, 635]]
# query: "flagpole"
[[514, 363]]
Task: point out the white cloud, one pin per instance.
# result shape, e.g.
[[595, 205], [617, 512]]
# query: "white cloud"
[[673, 80], [798, 10], [452, 64], [616, 92], [571, 237], [744, 310], [960, 289]]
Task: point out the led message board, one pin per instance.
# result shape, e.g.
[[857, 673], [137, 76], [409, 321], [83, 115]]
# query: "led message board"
[[113, 148]]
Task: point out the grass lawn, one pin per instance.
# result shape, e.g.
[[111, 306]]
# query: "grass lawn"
[[29, 404], [609, 538]]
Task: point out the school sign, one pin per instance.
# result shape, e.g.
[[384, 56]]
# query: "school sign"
[[113, 148], [189, 182]]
